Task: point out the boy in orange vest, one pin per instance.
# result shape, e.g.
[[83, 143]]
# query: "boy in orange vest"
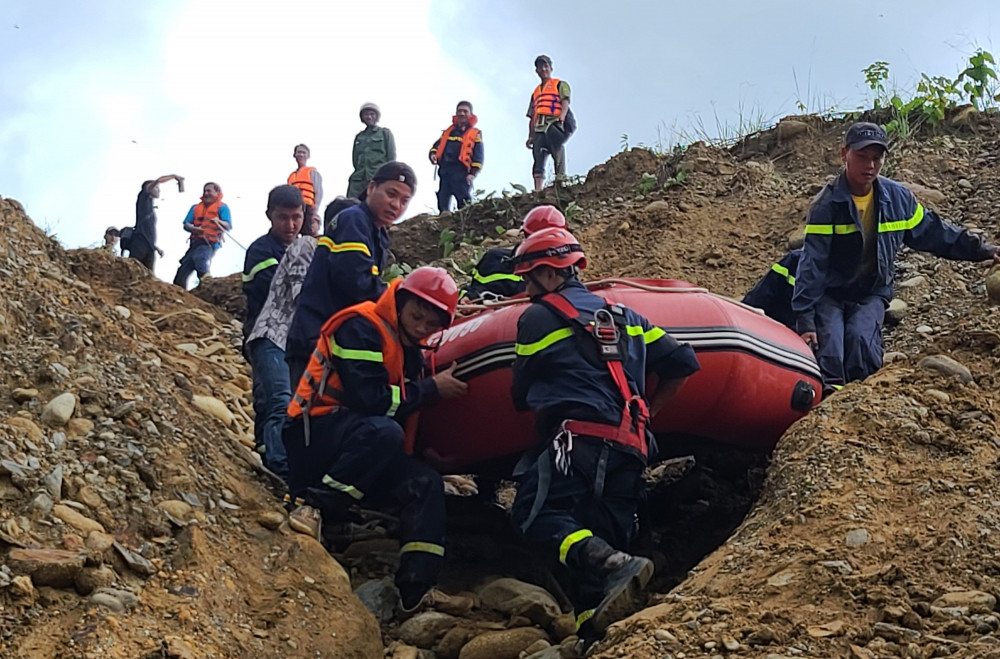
[[548, 109], [307, 180], [206, 222], [459, 157]]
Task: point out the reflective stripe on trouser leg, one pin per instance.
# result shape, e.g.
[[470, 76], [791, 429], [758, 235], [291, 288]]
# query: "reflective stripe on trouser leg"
[[427, 547], [570, 540], [349, 490], [583, 617]]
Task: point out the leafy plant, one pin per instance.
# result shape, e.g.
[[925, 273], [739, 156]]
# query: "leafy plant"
[[520, 188], [500, 230], [977, 77], [647, 184], [624, 142], [876, 76], [675, 180], [572, 210], [447, 243], [395, 271]]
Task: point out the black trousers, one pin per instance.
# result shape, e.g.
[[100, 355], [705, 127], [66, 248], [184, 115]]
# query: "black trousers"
[[352, 458], [453, 184]]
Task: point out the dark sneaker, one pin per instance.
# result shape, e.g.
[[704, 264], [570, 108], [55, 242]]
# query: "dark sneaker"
[[622, 591]]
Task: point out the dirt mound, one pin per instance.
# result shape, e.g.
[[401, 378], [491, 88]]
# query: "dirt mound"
[[134, 523]]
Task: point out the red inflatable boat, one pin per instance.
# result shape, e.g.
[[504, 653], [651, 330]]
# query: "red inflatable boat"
[[757, 377]]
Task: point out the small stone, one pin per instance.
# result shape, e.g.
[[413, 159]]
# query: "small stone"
[[271, 519], [123, 312], [23, 395], [517, 598], [730, 643], [52, 482], [913, 282], [89, 497], [27, 426], [59, 410], [834, 628], [379, 597], [23, 589], [896, 310], [98, 542], [42, 503], [843, 567], [177, 509], [974, 601], [92, 578], [135, 562], [506, 644], [657, 207], [894, 633], [946, 366], [781, 579], [423, 629], [857, 537], [75, 519], [664, 636], [925, 194], [215, 407], [109, 602], [992, 285], [937, 394], [789, 128], [894, 357], [965, 184], [47, 567], [924, 329]]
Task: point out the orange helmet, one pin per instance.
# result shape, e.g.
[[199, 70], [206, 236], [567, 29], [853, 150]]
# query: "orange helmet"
[[434, 286], [542, 217], [553, 247]]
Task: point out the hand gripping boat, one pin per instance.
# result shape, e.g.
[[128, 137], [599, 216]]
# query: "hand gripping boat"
[[757, 377]]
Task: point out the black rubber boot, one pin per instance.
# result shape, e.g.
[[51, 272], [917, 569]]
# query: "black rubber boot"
[[619, 579]]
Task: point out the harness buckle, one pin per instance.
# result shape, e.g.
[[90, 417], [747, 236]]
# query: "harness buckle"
[[562, 444], [608, 335]]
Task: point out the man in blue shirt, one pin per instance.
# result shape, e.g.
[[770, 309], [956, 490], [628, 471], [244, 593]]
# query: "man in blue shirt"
[[206, 222]]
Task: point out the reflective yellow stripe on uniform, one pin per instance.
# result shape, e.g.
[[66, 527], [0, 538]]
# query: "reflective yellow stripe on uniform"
[[830, 229], [903, 225], [396, 391], [570, 540], [426, 547], [783, 271], [648, 336], [359, 355], [327, 242], [527, 349], [263, 265], [584, 617], [489, 279], [349, 490], [375, 270]]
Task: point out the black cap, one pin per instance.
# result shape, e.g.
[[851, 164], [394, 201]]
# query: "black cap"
[[543, 58], [396, 171], [864, 134]]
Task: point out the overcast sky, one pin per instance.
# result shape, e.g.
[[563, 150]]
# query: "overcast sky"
[[99, 95]]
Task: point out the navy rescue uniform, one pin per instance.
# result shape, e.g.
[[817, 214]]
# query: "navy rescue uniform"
[[346, 269], [494, 276], [584, 480], [773, 293], [842, 296]]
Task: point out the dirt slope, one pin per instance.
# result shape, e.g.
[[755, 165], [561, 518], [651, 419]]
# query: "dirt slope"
[[133, 523], [875, 531]]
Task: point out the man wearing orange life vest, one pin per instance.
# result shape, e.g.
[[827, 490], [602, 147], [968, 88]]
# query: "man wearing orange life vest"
[[548, 109], [307, 180], [459, 157], [345, 438], [206, 222]]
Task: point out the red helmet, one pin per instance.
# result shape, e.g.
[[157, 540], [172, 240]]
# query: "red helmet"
[[542, 217], [554, 247], [434, 286]]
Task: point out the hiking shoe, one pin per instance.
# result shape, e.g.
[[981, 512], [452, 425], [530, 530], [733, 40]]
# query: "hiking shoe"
[[432, 599], [622, 589], [307, 520]]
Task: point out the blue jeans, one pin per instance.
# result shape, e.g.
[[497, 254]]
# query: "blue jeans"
[[271, 394], [198, 258], [850, 338]]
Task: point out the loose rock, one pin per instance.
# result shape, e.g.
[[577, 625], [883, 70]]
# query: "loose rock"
[[59, 410], [946, 366]]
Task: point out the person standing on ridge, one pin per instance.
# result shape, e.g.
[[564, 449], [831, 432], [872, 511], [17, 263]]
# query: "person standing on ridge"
[[111, 235], [307, 180], [459, 157], [142, 245], [349, 260], [494, 274], [206, 221], [581, 366], [373, 147], [854, 229], [345, 438], [548, 114]]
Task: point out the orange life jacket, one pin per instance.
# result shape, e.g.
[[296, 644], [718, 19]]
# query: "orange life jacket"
[[546, 98], [468, 143], [206, 220], [302, 179], [320, 390]]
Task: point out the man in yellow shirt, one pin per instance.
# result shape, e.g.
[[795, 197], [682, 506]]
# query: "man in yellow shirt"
[[854, 229]]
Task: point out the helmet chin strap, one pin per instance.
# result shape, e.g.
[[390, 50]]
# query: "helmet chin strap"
[[530, 276], [413, 340]]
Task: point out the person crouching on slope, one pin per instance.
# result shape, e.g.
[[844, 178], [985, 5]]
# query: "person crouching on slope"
[[345, 439], [581, 365]]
